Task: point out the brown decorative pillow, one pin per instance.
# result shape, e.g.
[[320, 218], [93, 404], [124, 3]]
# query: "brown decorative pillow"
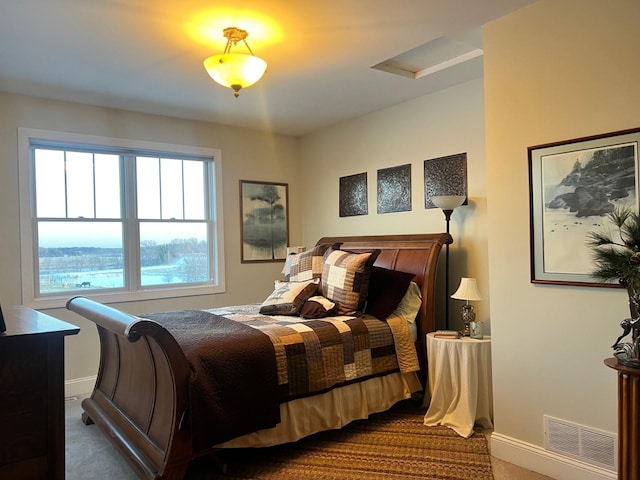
[[288, 297], [345, 278], [386, 289], [306, 265], [317, 307]]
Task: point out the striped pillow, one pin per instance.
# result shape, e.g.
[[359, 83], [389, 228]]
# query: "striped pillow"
[[345, 278]]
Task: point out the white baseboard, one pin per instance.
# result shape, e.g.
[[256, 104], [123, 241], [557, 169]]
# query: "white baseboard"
[[79, 386], [544, 461]]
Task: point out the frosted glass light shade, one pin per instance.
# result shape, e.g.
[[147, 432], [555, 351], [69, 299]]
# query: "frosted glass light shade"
[[235, 70], [468, 290], [448, 202]]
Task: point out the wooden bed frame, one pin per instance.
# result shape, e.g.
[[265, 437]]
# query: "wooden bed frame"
[[141, 391]]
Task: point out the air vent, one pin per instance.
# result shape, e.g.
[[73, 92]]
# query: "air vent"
[[579, 441]]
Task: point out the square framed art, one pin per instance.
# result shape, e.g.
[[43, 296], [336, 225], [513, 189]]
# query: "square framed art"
[[353, 195]]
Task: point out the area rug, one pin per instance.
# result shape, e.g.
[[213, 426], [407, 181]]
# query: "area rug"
[[392, 445]]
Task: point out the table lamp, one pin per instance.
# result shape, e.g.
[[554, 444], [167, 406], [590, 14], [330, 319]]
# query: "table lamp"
[[468, 290]]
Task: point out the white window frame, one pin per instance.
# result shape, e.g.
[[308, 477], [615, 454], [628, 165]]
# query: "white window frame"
[[28, 242]]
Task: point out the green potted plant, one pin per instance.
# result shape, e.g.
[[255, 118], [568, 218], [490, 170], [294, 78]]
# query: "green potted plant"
[[617, 258]]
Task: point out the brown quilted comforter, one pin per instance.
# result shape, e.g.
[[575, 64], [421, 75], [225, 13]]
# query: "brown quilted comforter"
[[313, 356], [237, 386], [232, 365]]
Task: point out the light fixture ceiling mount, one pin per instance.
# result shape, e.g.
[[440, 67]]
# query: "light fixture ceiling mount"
[[235, 70]]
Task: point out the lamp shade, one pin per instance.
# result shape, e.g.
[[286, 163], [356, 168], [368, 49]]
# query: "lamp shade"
[[235, 70], [468, 290], [448, 202]]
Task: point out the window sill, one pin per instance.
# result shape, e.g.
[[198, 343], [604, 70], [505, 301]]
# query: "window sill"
[[60, 301]]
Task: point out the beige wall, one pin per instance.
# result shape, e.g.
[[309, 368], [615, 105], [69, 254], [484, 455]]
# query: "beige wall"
[[246, 154], [554, 71], [445, 123]]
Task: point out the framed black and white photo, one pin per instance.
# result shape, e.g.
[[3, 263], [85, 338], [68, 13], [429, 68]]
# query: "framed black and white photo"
[[264, 221], [574, 185]]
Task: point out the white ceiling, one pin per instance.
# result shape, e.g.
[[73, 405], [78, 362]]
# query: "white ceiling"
[[146, 55]]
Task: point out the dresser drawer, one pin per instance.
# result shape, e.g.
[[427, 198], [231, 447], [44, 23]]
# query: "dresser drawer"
[[23, 366], [24, 432]]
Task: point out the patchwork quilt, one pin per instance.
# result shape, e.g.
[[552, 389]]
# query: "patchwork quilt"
[[316, 355], [231, 355]]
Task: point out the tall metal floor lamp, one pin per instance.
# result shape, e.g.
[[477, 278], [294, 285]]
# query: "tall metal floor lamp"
[[447, 203]]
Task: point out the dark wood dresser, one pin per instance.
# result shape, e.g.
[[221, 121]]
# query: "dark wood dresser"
[[628, 420], [32, 395]]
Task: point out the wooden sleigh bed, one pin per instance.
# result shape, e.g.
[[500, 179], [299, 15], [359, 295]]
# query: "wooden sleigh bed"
[[141, 399]]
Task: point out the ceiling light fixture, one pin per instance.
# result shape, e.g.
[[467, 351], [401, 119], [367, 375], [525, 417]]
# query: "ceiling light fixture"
[[235, 70]]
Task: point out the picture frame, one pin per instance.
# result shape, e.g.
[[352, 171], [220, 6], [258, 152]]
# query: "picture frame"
[[445, 176], [394, 189], [264, 221], [573, 185], [353, 195]]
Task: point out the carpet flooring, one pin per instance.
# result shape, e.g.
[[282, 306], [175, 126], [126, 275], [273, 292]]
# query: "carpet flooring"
[[392, 445]]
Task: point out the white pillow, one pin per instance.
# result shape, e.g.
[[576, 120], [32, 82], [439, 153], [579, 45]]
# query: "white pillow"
[[409, 306]]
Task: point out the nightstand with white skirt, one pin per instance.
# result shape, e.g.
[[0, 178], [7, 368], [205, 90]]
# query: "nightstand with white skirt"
[[460, 384]]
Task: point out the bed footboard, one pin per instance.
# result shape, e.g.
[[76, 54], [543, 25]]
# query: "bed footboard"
[[141, 392]]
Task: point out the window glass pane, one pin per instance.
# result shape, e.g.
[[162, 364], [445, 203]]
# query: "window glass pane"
[[83, 219], [107, 186], [148, 187], [79, 168], [171, 188], [50, 183], [173, 253], [80, 256], [194, 202]]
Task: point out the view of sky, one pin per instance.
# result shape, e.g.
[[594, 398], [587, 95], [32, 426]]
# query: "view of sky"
[[83, 185]]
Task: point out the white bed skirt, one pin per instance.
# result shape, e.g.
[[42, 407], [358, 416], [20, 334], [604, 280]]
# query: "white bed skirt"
[[331, 410]]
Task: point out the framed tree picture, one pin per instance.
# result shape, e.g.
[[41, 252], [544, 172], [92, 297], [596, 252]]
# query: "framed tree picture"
[[264, 221], [574, 185]]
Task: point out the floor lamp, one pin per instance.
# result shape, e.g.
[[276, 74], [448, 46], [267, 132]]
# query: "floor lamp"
[[447, 203]]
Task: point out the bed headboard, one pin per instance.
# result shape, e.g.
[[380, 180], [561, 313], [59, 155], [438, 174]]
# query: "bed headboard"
[[413, 253]]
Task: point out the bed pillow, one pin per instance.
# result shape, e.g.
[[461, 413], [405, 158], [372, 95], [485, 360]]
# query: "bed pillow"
[[288, 297], [409, 306], [317, 307], [386, 289], [304, 266], [345, 278]]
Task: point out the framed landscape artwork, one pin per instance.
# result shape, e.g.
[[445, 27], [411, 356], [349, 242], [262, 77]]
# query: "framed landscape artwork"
[[574, 185], [264, 221]]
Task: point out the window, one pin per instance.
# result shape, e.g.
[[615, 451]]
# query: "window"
[[117, 219]]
